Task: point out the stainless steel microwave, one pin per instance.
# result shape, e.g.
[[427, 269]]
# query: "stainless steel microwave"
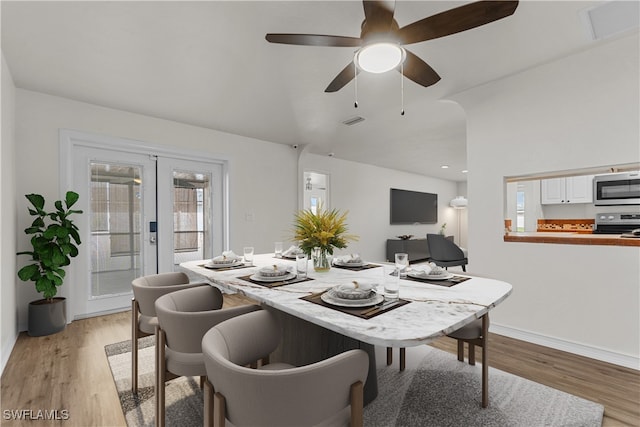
[[617, 189]]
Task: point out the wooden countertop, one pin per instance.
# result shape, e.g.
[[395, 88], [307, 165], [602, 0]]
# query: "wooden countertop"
[[569, 238]]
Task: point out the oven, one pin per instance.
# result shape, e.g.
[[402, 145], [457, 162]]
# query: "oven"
[[617, 222], [617, 189]]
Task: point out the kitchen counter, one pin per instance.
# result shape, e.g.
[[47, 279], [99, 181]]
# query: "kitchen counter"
[[571, 238]]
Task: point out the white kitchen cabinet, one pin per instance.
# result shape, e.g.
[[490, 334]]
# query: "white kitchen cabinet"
[[572, 189]]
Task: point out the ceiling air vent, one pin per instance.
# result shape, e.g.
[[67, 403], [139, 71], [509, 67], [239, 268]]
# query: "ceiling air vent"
[[353, 120], [612, 18]]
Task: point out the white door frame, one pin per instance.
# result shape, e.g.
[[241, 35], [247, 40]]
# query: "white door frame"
[[70, 139]]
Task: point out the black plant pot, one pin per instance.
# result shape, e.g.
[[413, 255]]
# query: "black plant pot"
[[46, 318]]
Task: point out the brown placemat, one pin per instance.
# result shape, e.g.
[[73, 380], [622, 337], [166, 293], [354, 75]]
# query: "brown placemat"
[[361, 312], [275, 284], [358, 268], [233, 267], [447, 283]]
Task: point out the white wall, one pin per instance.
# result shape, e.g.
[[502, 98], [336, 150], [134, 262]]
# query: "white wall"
[[262, 175], [363, 190], [578, 112], [8, 315]]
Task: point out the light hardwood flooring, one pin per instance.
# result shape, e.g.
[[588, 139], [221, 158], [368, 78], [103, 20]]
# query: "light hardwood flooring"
[[69, 371]]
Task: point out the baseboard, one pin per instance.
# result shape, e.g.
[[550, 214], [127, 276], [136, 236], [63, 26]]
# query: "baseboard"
[[99, 313], [7, 348], [568, 346]]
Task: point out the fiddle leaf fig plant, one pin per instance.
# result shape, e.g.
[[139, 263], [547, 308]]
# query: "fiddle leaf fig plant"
[[54, 242]]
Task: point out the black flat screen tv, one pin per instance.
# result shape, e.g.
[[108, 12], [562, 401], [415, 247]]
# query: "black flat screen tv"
[[413, 207]]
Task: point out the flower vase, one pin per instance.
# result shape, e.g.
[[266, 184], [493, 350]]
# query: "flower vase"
[[321, 262]]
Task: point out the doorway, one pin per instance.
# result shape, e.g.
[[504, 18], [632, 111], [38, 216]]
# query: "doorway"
[[146, 210]]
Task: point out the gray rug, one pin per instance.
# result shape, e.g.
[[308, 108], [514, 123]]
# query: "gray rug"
[[441, 392]]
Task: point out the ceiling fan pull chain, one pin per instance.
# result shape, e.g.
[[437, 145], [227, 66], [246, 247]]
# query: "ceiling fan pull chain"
[[401, 88], [355, 72]]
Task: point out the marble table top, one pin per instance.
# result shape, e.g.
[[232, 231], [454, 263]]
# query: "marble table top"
[[434, 310]]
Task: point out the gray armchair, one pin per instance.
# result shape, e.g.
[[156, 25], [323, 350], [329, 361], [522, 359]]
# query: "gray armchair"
[[183, 318], [329, 392], [445, 253], [146, 290]]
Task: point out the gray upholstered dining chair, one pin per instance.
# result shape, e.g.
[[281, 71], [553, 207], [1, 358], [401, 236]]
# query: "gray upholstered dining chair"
[[146, 290], [184, 317], [328, 392], [474, 334], [445, 253]]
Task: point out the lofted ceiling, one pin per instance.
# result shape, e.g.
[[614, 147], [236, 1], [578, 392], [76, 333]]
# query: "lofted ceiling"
[[207, 63]]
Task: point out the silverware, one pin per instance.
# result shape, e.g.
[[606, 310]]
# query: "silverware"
[[379, 307]]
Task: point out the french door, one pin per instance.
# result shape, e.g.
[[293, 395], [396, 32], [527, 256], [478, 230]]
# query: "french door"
[[143, 214]]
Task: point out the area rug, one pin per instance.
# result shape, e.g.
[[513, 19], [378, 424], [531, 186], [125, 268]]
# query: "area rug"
[[440, 392]]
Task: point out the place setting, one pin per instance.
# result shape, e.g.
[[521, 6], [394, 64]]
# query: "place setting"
[[358, 298], [275, 275], [228, 260], [352, 262], [435, 275]]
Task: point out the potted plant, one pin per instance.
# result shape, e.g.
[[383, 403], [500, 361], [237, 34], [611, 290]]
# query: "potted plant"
[[319, 233], [54, 239]]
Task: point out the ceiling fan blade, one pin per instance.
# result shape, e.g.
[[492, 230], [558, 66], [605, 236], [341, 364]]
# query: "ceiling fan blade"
[[419, 71], [314, 40], [456, 20], [344, 77], [378, 16]]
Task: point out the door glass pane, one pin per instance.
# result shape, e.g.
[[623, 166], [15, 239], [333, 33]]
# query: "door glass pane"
[[191, 216], [115, 228]]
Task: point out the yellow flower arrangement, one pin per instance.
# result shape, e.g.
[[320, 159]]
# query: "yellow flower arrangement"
[[325, 230]]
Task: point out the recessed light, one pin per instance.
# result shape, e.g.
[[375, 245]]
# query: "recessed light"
[[465, 171], [444, 167]]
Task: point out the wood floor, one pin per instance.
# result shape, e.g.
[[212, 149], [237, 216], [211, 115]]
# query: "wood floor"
[[68, 371]]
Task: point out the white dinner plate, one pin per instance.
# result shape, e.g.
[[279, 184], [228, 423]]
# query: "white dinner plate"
[[430, 276], [232, 264], [376, 299], [260, 278], [349, 264]]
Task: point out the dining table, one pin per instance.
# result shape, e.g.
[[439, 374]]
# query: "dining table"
[[316, 326]]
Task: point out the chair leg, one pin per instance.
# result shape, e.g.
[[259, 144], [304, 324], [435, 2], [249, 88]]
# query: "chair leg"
[[402, 358], [460, 350], [357, 404], [485, 360], [160, 377], [472, 354], [389, 356], [134, 346], [208, 404], [464, 268], [219, 410]]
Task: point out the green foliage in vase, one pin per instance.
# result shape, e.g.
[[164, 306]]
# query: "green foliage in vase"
[[325, 229]]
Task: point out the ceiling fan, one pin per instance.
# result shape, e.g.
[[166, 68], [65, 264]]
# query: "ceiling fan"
[[381, 41]]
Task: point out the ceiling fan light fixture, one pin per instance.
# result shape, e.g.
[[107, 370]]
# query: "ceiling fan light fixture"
[[379, 57]]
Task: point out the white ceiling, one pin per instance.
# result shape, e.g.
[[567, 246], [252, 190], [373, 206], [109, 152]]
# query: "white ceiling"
[[208, 64]]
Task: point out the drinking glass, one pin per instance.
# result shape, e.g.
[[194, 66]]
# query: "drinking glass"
[[402, 263], [391, 282], [248, 254], [301, 265], [278, 249]]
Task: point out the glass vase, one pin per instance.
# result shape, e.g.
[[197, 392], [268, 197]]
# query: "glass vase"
[[321, 260]]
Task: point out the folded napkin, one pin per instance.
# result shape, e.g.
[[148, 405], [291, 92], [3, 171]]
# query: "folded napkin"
[[350, 259], [274, 270], [227, 257], [355, 289], [427, 270], [292, 251]]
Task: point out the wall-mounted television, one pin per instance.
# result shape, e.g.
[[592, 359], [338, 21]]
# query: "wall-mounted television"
[[413, 207]]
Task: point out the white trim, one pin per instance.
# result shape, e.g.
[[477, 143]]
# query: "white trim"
[[7, 349], [571, 347]]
